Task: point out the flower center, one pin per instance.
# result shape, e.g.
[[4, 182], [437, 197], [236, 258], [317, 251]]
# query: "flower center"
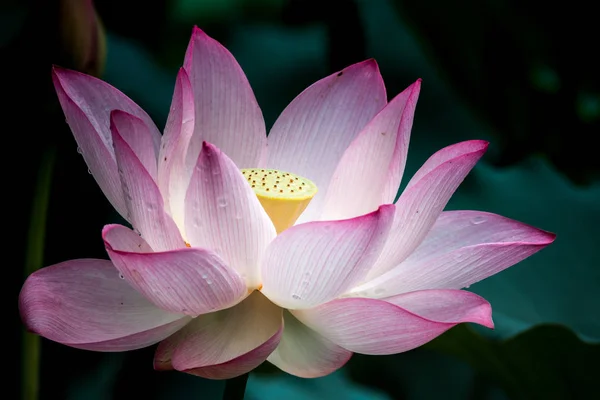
[[283, 195]]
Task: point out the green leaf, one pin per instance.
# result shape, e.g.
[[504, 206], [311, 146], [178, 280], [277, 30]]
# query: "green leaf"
[[546, 362]]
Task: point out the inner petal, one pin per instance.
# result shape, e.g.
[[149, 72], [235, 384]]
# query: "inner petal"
[[283, 195]]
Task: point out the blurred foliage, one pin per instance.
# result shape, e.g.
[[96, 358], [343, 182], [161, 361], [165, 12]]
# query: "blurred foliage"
[[545, 362], [506, 71], [526, 67]]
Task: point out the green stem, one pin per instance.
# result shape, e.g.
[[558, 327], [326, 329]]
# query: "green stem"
[[33, 261], [235, 387]]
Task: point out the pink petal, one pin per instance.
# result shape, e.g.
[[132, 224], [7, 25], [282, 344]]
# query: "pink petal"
[[224, 214], [303, 352], [374, 161], [314, 131], [424, 198], [173, 172], [396, 169], [225, 344], [87, 103], [398, 324], [312, 263], [144, 201], [84, 304], [137, 135], [227, 113], [462, 248], [190, 281], [446, 305]]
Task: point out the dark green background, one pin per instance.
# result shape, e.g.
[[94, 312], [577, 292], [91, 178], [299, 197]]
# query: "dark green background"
[[523, 75]]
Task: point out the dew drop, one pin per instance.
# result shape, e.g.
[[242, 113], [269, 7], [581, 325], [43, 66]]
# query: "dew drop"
[[121, 276], [209, 282], [89, 171], [197, 222], [222, 202], [204, 276], [79, 150], [478, 220]]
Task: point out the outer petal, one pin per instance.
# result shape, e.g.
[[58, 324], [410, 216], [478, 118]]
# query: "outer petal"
[[84, 304], [87, 103], [137, 135], [225, 344], [462, 248], [144, 201], [305, 353], [173, 174], [397, 324], [424, 198], [374, 161], [314, 131], [309, 264], [227, 113], [189, 281], [224, 215]]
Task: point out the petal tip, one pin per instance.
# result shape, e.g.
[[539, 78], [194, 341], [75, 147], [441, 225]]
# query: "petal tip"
[[208, 148], [485, 316]]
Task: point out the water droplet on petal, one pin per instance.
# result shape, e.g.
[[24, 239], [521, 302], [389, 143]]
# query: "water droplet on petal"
[[209, 282], [121, 276], [204, 276], [478, 220], [89, 171], [79, 150], [222, 202]]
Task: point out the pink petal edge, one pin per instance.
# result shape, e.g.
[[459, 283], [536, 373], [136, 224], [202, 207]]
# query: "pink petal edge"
[[189, 281], [226, 111], [224, 344], [371, 326], [423, 200], [84, 304], [312, 263]]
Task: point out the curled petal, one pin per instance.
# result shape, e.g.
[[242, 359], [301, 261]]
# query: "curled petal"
[[144, 201], [87, 103], [85, 304], [224, 344], [303, 352], [374, 162], [313, 132], [462, 248], [224, 215], [396, 324], [226, 111], [189, 281], [173, 172], [312, 263], [423, 200], [137, 135]]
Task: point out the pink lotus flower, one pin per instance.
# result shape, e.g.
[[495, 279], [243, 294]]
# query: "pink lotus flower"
[[221, 273]]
